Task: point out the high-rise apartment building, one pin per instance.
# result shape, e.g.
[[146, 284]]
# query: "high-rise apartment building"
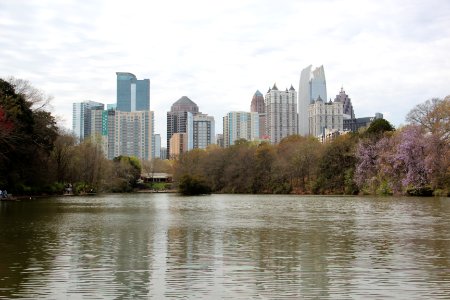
[[132, 94], [325, 115], [312, 85], [240, 125], [281, 113], [99, 128], [180, 120], [81, 117], [131, 134], [203, 131], [259, 106], [126, 128]]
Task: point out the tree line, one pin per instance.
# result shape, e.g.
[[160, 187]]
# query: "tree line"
[[412, 160], [37, 157]]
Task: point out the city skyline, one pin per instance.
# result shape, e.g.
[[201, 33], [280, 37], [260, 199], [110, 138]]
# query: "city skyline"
[[388, 56]]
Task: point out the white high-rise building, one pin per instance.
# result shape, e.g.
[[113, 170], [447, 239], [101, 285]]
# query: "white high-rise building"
[[324, 116], [312, 85], [240, 125], [203, 131], [130, 134], [81, 117], [281, 113]]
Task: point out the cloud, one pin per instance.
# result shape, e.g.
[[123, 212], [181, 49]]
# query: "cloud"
[[388, 55]]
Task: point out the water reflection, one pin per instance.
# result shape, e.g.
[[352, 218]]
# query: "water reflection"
[[225, 246]]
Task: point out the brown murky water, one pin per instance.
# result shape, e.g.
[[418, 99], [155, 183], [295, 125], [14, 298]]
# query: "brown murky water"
[[160, 246]]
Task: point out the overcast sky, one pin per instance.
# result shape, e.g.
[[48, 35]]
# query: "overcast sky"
[[388, 55]]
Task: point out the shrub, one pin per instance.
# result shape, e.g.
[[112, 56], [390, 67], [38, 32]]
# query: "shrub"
[[192, 185]]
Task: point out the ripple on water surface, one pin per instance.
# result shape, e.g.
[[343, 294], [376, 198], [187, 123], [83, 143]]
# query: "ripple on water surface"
[[225, 247]]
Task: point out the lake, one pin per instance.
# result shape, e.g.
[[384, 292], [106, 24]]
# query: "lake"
[[163, 246]]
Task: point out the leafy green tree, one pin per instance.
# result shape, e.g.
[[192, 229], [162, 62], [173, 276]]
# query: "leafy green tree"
[[26, 140], [336, 167], [377, 128]]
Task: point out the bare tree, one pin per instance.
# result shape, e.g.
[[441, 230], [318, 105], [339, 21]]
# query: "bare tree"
[[39, 100], [433, 115]]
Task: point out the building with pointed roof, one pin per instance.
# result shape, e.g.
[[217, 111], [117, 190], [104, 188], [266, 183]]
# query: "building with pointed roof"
[[325, 115], [347, 104], [198, 129], [281, 114], [180, 119], [184, 104], [257, 104], [259, 107]]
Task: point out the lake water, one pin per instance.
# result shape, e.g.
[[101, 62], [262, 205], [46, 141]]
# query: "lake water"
[[163, 246]]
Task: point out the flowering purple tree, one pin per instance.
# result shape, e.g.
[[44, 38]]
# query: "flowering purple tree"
[[410, 157], [375, 171], [394, 163], [366, 167]]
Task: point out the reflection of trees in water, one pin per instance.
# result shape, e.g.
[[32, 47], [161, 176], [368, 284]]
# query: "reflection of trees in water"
[[307, 248], [25, 245]]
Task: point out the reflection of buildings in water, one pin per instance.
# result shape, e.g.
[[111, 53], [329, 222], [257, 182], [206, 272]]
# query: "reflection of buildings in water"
[[132, 252], [191, 259]]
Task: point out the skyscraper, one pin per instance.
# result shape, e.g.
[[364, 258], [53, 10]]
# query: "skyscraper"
[[131, 134], [81, 117], [204, 131], [347, 104], [180, 120], [132, 94], [240, 125], [325, 115], [312, 85], [281, 113], [259, 107], [99, 128], [257, 104]]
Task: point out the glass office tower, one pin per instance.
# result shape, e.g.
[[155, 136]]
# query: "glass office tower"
[[132, 94], [312, 85]]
